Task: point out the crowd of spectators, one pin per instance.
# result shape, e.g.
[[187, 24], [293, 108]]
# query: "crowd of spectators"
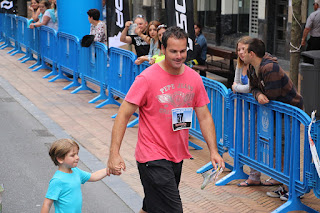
[[44, 14]]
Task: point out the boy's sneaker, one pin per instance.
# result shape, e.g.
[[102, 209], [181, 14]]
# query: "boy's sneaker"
[[277, 193], [285, 197]]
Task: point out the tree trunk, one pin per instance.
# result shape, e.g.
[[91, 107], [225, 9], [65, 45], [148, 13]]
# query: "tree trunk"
[[195, 11], [295, 41]]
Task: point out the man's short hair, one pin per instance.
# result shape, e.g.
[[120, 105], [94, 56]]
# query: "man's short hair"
[[175, 32], [94, 13], [257, 46]]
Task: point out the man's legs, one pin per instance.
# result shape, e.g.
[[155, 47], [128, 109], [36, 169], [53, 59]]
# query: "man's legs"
[[160, 180]]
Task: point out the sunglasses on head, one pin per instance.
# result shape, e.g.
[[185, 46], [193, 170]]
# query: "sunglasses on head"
[[162, 26]]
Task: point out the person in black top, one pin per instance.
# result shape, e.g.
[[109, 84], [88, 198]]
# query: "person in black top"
[[141, 47]]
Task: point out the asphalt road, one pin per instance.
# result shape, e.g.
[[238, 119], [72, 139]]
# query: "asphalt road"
[[26, 168]]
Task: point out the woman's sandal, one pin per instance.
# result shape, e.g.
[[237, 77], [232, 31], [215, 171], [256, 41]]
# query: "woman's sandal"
[[248, 184], [271, 182]]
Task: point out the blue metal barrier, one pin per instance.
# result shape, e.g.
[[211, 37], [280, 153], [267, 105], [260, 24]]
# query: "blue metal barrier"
[[313, 173], [2, 27], [140, 68], [13, 35], [23, 38], [35, 47], [9, 30], [263, 135], [68, 58], [121, 74], [93, 68], [219, 108], [48, 48]]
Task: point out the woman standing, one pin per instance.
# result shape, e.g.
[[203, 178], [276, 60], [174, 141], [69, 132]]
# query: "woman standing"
[[97, 28], [241, 81]]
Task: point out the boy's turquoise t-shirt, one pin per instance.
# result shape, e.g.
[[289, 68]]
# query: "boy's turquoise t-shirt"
[[65, 190]]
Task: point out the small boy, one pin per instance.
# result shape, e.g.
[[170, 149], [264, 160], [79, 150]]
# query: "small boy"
[[65, 186]]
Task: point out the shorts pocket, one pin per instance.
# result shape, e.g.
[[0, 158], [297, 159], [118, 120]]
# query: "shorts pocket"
[[160, 172]]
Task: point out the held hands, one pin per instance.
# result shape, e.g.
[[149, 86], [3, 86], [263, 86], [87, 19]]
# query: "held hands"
[[262, 99], [115, 165]]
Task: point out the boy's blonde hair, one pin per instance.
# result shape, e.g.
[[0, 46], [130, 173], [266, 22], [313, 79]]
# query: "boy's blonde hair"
[[243, 40], [60, 148]]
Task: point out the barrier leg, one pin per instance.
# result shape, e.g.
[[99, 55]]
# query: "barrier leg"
[[53, 71], [42, 66], [37, 63], [23, 57], [294, 204], [74, 82], [13, 50], [193, 145], [60, 76], [110, 100], [29, 57], [18, 50], [5, 46], [133, 123], [101, 96], [83, 87]]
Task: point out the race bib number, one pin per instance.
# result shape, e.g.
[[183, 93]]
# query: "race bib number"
[[181, 118]]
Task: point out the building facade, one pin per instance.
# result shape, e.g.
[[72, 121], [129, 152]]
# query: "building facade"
[[225, 21]]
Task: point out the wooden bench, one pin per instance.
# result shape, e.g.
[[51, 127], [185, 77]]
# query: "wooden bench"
[[220, 62]]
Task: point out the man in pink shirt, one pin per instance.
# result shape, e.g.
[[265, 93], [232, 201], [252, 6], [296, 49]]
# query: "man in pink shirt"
[[166, 94]]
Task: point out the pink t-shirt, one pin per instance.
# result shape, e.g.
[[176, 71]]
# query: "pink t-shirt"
[[156, 92]]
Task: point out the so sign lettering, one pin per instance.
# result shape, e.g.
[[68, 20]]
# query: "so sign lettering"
[[119, 9], [181, 19]]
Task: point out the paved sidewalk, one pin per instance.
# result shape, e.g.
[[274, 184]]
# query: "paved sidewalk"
[[91, 127]]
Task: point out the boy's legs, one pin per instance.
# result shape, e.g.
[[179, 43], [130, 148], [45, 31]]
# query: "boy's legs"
[[160, 180]]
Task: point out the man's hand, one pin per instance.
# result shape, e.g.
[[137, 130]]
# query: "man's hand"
[[303, 42], [217, 159], [262, 99], [127, 24], [115, 165]]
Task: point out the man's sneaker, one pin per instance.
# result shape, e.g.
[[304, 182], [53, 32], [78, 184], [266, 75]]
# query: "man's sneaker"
[[277, 193], [285, 197]]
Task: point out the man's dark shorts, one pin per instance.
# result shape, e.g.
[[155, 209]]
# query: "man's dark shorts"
[[160, 180]]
